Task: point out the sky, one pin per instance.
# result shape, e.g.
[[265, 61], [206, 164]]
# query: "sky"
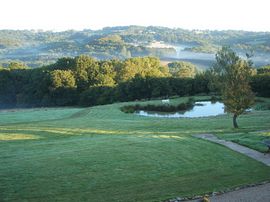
[[59, 15]]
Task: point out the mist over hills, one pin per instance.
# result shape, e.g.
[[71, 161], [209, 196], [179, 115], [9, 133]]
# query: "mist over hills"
[[37, 48]]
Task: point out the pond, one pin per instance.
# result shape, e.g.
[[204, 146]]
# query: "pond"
[[201, 109]]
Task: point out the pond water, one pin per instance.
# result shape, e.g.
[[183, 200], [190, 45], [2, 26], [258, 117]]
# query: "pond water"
[[201, 109]]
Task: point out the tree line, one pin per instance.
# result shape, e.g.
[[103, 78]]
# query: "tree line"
[[85, 81]]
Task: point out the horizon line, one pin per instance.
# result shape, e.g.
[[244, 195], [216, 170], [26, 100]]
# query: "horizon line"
[[97, 29]]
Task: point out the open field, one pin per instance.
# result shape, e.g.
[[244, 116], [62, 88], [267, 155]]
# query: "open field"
[[103, 154]]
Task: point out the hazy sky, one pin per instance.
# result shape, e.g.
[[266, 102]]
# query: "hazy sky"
[[59, 15]]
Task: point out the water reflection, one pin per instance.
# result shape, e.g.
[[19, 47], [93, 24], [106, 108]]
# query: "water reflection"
[[201, 109]]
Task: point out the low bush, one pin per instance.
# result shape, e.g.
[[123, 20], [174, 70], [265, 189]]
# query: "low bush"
[[159, 108]]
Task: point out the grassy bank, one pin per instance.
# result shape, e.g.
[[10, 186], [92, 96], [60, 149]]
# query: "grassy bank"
[[101, 153], [253, 140]]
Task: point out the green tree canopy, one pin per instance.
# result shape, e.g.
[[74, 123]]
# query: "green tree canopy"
[[62, 79], [143, 67], [17, 65], [234, 74], [264, 70], [182, 69], [63, 87]]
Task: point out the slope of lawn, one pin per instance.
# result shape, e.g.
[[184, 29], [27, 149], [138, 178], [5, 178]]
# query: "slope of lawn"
[[101, 153]]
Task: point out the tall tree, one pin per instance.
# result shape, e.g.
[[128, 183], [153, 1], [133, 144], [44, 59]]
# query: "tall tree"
[[234, 73]]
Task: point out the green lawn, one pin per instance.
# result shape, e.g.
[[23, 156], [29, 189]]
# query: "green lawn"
[[254, 140], [103, 154]]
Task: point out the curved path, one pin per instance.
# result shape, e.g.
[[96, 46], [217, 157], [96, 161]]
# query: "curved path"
[[260, 193], [262, 157]]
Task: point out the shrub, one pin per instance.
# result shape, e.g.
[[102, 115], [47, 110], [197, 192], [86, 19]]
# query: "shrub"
[[159, 108]]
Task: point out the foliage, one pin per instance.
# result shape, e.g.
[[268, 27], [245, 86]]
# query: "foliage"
[[86, 81], [262, 104], [63, 87], [264, 70], [159, 108], [234, 76], [143, 67], [7, 90], [97, 96], [182, 69], [261, 85], [201, 83], [17, 65], [62, 79]]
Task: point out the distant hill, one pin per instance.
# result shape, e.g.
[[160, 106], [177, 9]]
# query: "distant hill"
[[37, 48]]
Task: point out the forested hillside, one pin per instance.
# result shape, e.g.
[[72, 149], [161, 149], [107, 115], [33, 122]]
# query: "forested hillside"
[[36, 48]]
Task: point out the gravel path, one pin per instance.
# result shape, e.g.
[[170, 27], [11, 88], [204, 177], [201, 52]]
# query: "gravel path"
[[264, 158], [260, 193]]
